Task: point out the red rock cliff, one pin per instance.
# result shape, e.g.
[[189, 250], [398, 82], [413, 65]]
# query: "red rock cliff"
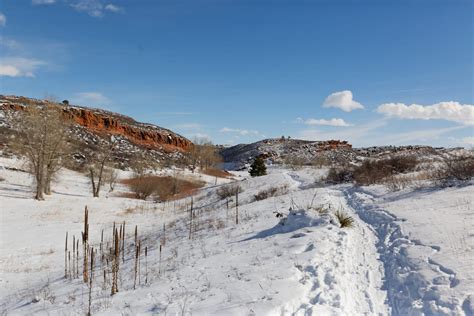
[[104, 122]]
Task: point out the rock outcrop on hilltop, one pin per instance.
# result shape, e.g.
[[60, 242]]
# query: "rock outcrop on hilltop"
[[104, 122], [94, 130], [330, 152], [281, 150]]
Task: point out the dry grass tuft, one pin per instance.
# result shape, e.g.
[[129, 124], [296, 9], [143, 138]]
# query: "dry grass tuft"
[[345, 221]]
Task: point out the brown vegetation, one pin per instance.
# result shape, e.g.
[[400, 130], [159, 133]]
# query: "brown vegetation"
[[214, 172], [273, 191], [163, 187]]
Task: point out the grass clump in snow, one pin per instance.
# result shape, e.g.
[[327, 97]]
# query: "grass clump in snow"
[[345, 221]]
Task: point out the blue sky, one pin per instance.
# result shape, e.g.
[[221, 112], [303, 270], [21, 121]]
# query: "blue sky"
[[370, 72]]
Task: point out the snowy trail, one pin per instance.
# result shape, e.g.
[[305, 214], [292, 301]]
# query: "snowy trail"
[[414, 281], [345, 277]]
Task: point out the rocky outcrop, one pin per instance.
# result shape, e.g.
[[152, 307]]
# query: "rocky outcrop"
[[104, 122], [282, 150]]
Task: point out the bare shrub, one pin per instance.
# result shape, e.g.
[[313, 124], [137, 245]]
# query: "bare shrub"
[[295, 162], [397, 183], [340, 175], [371, 172], [143, 187], [320, 161], [345, 221], [402, 164], [455, 168], [377, 171], [273, 191], [228, 190]]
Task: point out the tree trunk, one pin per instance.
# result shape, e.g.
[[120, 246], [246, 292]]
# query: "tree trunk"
[[94, 193], [39, 183], [47, 186]]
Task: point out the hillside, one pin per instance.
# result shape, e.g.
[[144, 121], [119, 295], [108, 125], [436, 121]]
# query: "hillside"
[[94, 127], [392, 261], [317, 153]]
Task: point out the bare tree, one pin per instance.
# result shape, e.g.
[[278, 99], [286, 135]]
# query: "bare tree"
[[44, 142], [98, 168], [203, 154]]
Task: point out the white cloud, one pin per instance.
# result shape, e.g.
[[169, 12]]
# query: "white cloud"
[[243, 132], [91, 98], [449, 111], [331, 122], [19, 66], [3, 19], [113, 8], [43, 1], [343, 100], [92, 7], [95, 8]]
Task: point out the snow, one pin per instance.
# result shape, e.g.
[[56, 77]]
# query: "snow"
[[408, 253]]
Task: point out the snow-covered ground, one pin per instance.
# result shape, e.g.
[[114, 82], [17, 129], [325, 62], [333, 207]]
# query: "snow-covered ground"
[[409, 252]]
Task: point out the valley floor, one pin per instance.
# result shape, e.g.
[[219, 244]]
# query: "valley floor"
[[408, 252]]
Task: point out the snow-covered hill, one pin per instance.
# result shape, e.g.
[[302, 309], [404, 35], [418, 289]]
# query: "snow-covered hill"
[[408, 253]]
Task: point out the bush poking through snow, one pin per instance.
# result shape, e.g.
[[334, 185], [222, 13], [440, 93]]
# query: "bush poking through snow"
[[339, 175], [273, 191], [457, 168], [345, 221], [228, 190]]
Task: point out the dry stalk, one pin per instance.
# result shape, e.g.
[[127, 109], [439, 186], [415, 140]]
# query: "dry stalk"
[[65, 258], [85, 241]]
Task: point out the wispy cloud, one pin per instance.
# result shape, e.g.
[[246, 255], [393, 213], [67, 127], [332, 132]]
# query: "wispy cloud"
[[331, 122], [90, 98], [3, 19], [95, 8], [113, 8], [243, 132], [40, 2], [449, 111], [343, 100], [19, 66]]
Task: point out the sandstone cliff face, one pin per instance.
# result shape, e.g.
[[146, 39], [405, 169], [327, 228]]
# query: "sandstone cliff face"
[[108, 123]]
